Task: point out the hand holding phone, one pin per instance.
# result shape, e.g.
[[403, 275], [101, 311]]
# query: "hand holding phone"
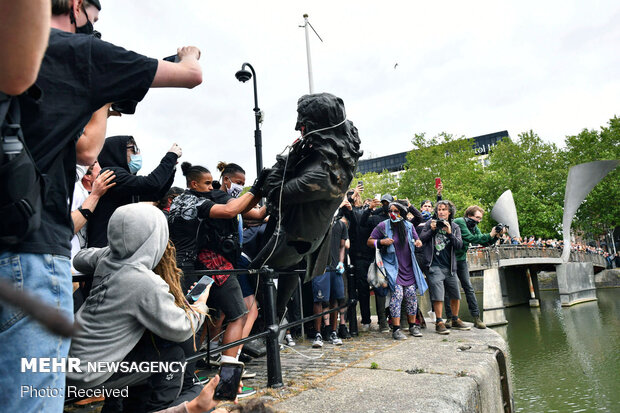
[[197, 290], [230, 377], [437, 183]]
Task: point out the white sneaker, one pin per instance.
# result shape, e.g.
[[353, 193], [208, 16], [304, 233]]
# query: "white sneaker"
[[289, 340], [318, 341], [333, 338], [365, 328]]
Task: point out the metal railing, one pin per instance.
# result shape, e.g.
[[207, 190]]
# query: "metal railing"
[[479, 258], [273, 328]]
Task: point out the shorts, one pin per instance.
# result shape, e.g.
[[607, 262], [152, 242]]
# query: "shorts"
[[326, 287], [228, 299], [442, 282], [246, 281]]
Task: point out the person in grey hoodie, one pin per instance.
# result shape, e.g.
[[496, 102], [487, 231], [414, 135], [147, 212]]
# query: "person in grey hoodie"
[[128, 306]]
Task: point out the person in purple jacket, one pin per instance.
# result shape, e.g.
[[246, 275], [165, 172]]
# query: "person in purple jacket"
[[397, 240]]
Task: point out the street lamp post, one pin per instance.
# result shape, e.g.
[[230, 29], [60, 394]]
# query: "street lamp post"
[[243, 76]]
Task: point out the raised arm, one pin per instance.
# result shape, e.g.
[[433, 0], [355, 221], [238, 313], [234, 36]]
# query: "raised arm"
[[186, 73], [24, 30]]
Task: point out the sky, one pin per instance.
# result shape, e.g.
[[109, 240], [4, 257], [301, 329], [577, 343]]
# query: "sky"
[[401, 67]]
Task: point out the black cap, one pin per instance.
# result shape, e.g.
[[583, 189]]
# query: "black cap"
[[94, 3]]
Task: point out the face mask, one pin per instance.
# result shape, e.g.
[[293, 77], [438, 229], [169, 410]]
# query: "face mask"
[[426, 215], [135, 164], [87, 28], [234, 190], [471, 223], [395, 218]]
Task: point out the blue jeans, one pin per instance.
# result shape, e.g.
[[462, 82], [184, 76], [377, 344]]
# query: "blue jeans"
[[47, 277]]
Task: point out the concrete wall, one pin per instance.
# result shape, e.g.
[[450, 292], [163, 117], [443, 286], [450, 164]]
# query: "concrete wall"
[[434, 373], [576, 282]]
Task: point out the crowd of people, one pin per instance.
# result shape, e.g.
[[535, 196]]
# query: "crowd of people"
[[136, 243]]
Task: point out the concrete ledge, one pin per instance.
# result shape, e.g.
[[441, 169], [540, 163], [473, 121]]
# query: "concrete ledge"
[[434, 373]]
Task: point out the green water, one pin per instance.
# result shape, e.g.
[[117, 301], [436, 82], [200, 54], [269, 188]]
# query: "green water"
[[565, 359]]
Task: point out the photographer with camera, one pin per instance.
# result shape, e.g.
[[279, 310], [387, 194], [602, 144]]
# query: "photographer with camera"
[[471, 234], [441, 237]]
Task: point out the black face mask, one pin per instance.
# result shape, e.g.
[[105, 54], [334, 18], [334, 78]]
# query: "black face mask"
[[88, 28], [471, 224]]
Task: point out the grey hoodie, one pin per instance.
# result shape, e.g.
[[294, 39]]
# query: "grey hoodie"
[[127, 297]]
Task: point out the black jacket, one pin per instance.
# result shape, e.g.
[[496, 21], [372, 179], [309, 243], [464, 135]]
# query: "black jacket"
[[427, 236], [129, 188]]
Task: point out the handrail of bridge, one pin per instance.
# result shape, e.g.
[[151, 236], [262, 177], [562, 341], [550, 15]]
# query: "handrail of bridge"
[[489, 257]]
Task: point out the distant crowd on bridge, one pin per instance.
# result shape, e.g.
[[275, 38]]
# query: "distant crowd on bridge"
[[612, 259]]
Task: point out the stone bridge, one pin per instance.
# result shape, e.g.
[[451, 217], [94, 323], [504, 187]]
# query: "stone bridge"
[[510, 276]]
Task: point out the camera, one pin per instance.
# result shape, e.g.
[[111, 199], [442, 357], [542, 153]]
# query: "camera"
[[442, 223], [500, 227], [228, 244]]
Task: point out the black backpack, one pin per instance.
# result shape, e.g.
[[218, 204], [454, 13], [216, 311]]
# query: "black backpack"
[[20, 180]]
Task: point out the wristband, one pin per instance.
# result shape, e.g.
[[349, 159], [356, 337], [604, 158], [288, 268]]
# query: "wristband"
[[375, 244], [87, 213]]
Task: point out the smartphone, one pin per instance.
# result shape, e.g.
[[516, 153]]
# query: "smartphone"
[[194, 294], [230, 377], [437, 183], [174, 58], [360, 183]]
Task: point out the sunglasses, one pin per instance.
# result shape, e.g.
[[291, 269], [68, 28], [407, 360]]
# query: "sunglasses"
[[134, 148]]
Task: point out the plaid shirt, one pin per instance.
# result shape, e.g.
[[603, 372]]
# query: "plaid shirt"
[[214, 261]]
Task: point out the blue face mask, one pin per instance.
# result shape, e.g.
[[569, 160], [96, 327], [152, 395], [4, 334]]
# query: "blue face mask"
[[135, 164], [426, 215]]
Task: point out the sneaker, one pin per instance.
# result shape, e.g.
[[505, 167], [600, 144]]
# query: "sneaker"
[[384, 327], [326, 331], [246, 392], [288, 339], [478, 323], [343, 332], [448, 323], [244, 358], [365, 328], [440, 328], [398, 335], [248, 375], [318, 341], [415, 330], [458, 324], [333, 338]]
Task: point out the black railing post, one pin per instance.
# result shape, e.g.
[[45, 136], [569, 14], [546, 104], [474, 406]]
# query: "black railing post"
[[352, 294], [274, 368]]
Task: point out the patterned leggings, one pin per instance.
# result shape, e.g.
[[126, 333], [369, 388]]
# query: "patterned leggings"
[[397, 298]]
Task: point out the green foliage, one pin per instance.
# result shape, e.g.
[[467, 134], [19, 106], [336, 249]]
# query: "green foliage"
[[534, 170], [377, 183], [452, 160], [536, 173], [374, 366]]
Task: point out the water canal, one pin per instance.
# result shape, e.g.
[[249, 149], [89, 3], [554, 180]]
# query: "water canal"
[[565, 359]]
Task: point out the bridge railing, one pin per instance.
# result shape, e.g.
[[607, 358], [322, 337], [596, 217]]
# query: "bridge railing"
[[479, 258]]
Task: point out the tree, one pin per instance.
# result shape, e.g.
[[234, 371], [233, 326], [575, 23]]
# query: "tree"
[[452, 160], [536, 173], [601, 209], [377, 183]]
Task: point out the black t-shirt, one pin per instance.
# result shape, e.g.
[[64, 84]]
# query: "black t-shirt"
[[186, 212], [339, 232], [442, 249], [79, 74]]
